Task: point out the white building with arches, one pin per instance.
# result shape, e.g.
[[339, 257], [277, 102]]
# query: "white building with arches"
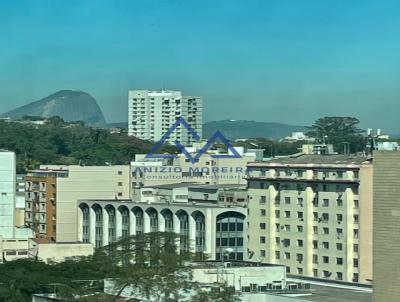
[[208, 227]]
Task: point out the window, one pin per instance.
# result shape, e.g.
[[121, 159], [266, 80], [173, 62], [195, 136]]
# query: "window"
[[300, 229], [325, 203], [339, 217], [277, 214], [327, 274], [287, 200], [355, 234], [339, 261], [339, 232], [356, 204], [339, 202], [300, 215], [315, 272], [277, 240], [355, 262], [339, 174], [287, 269], [315, 259], [355, 277], [120, 184], [339, 246], [326, 231], [339, 276], [262, 239], [315, 244], [325, 217], [262, 226], [356, 219], [325, 244], [263, 212], [299, 271], [262, 253], [355, 248], [325, 259], [119, 172], [287, 214], [300, 243], [277, 255], [300, 201], [263, 199], [287, 255], [315, 230]]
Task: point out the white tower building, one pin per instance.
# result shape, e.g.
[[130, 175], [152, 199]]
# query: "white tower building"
[[7, 193], [151, 113]]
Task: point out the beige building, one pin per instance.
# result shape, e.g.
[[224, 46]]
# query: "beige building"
[[208, 169], [41, 201], [313, 214], [13, 248], [386, 226], [111, 182]]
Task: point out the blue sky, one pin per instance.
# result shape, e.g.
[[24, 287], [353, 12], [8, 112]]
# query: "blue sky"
[[282, 61]]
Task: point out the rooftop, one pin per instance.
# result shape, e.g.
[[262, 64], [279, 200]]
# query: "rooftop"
[[315, 160], [196, 185]]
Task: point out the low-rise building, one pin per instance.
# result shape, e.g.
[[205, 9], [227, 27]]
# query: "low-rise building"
[[207, 226], [46, 250], [313, 214], [207, 169]]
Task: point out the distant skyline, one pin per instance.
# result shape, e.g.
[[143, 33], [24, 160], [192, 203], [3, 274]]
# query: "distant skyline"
[[270, 61]]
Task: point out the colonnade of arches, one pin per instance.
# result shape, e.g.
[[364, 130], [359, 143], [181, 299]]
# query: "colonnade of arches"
[[103, 225]]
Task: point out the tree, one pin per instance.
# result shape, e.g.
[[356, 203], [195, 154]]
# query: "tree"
[[148, 264], [339, 131]]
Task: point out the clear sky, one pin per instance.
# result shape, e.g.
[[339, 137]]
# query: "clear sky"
[[283, 61]]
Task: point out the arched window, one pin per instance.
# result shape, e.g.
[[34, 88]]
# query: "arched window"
[[125, 221], [98, 211], [169, 220], [184, 227], [85, 222], [112, 224], [138, 212], [153, 219], [200, 232], [229, 234]]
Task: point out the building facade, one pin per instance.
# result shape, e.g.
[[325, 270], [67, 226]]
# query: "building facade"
[[40, 205], [386, 226], [313, 214], [208, 169], [7, 193], [151, 113], [206, 225]]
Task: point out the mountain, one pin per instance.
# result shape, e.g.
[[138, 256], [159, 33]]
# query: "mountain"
[[234, 129], [68, 104]]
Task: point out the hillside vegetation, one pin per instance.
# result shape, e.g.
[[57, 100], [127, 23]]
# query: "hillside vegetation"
[[60, 142]]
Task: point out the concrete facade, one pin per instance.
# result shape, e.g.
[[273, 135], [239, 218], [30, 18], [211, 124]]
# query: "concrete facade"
[[7, 193], [110, 182], [205, 227], [313, 214], [151, 113], [386, 226]]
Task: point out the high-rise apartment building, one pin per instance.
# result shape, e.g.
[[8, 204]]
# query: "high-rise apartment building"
[[40, 205], [7, 193], [313, 214], [386, 226], [151, 113]]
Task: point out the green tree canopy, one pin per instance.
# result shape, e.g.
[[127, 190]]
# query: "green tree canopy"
[[339, 131]]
